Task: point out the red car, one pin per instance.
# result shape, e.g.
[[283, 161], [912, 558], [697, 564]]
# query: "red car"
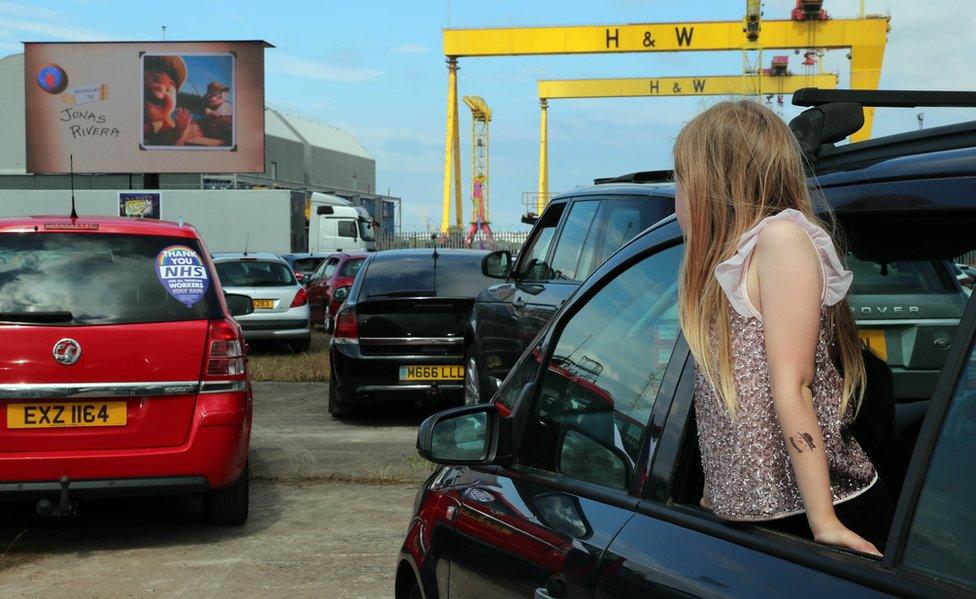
[[122, 370], [329, 287]]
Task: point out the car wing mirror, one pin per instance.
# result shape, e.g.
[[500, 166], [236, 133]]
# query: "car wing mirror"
[[497, 265], [459, 436], [238, 305]]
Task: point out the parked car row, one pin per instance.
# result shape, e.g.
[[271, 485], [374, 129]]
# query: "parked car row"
[[581, 475]]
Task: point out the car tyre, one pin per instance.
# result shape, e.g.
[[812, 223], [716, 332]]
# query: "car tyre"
[[301, 347], [336, 409], [415, 592], [228, 505]]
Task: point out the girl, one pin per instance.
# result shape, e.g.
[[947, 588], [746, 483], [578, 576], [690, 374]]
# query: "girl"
[[780, 373]]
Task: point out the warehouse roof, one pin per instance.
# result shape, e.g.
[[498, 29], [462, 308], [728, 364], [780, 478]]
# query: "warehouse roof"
[[317, 133]]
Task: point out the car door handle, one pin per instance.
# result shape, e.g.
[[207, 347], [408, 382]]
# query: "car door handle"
[[555, 589], [543, 593]]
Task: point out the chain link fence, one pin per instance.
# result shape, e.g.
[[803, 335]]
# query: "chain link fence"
[[501, 240]]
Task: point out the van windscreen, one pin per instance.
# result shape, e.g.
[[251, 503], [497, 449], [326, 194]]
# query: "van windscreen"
[[90, 279]]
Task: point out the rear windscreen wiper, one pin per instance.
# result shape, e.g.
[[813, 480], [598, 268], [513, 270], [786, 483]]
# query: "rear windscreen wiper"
[[37, 316], [410, 293]]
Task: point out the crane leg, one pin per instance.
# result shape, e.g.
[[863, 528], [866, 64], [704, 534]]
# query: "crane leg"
[[541, 201], [450, 145]]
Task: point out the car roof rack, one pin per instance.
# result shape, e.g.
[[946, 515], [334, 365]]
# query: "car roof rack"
[[662, 176], [885, 98], [836, 113]]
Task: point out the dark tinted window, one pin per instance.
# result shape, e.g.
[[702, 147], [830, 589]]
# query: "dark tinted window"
[[254, 273], [307, 264], [942, 541], [624, 218], [574, 252], [532, 260], [346, 228], [456, 275], [901, 278], [351, 267], [596, 398], [99, 279]]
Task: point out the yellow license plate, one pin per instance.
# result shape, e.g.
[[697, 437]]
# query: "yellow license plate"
[[431, 373], [59, 415], [263, 304], [875, 341]]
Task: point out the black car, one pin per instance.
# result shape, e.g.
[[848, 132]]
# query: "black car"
[[572, 237], [399, 335], [583, 478]]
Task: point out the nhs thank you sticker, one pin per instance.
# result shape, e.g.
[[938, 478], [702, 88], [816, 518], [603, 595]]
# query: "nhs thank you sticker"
[[182, 273]]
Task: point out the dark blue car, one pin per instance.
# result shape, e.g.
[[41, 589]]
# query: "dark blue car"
[[582, 477]]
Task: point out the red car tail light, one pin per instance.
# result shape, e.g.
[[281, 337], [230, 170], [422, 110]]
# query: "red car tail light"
[[301, 298], [346, 327], [225, 351]]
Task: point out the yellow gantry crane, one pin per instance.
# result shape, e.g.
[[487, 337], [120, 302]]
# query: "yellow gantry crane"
[[480, 121], [865, 37], [656, 87]]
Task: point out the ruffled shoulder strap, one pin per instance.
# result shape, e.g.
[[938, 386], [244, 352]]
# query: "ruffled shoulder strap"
[[731, 274]]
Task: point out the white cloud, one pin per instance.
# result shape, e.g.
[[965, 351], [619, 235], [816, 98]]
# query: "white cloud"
[[313, 69], [411, 49]]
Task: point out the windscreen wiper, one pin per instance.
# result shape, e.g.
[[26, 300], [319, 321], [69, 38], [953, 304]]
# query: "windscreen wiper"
[[37, 316], [409, 293]]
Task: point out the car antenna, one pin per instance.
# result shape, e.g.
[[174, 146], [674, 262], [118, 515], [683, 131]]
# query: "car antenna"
[[247, 237], [71, 177], [435, 256]]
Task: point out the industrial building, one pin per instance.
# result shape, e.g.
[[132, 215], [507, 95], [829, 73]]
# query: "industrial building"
[[301, 153]]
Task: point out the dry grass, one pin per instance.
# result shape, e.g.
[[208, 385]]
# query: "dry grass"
[[278, 363]]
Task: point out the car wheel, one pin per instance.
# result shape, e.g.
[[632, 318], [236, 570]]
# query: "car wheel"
[[300, 347], [415, 592], [472, 381], [336, 409], [228, 506]]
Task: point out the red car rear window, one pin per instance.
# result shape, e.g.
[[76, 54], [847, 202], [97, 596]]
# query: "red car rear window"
[[66, 278]]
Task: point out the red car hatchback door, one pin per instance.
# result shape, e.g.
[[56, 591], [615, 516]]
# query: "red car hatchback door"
[[104, 337]]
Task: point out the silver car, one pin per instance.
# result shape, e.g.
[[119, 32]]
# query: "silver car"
[[280, 302]]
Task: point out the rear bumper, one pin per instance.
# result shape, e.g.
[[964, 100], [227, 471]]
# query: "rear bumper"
[[289, 328], [122, 487], [212, 456], [362, 379]]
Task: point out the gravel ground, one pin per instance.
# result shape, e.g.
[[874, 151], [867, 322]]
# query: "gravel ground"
[[330, 503]]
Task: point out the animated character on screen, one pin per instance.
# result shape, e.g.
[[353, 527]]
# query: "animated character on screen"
[[162, 78], [218, 112]]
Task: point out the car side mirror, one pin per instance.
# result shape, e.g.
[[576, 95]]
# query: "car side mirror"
[[341, 294], [238, 305], [497, 265], [460, 436]]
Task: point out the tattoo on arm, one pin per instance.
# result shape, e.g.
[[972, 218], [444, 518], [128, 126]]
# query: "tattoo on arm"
[[802, 442]]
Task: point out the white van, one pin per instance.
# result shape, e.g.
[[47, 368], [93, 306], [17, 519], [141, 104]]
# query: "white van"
[[335, 225]]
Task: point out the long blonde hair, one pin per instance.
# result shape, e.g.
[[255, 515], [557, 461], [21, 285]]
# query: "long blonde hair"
[[735, 164]]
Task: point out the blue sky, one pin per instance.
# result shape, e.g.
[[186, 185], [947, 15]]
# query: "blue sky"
[[376, 69]]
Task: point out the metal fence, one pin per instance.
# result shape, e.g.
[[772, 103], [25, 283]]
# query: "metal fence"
[[503, 240]]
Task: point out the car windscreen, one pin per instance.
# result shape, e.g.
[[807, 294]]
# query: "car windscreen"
[[307, 264], [94, 279], [254, 273], [456, 275], [351, 267], [915, 277]]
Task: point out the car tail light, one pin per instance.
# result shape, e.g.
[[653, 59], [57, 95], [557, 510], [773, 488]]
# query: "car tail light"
[[225, 351], [346, 327], [301, 298]]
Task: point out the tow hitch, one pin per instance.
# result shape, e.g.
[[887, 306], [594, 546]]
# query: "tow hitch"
[[65, 507]]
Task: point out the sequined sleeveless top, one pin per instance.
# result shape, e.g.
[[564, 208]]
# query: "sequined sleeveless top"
[[748, 472]]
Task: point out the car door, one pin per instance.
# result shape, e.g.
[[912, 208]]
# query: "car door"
[[499, 311], [318, 296], [673, 548], [540, 528]]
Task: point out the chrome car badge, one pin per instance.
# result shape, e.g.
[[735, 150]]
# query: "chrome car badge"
[[67, 351]]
